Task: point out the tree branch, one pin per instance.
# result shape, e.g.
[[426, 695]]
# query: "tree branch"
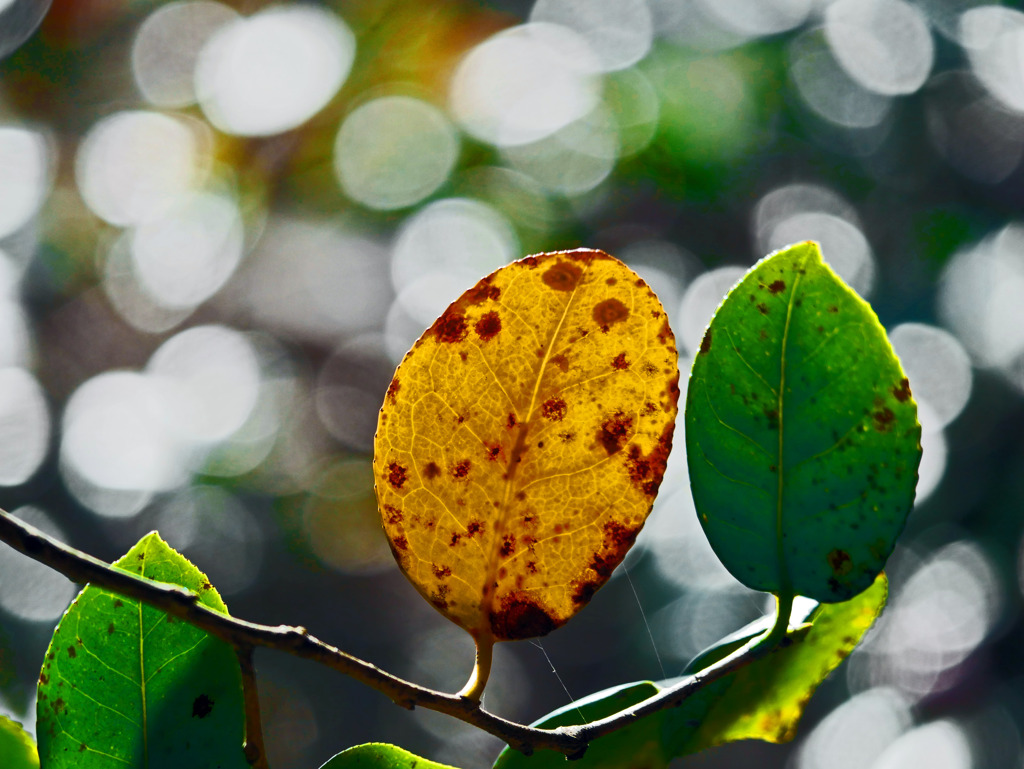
[[242, 635]]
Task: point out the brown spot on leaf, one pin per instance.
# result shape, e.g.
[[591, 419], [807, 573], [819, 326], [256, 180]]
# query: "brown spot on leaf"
[[431, 470], [461, 470], [482, 291], [561, 362], [647, 472], [665, 332], [776, 286], [397, 475], [611, 281], [393, 515], [833, 309], [441, 571], [762, 308], [840, 562], [201, 706], [614, 432], [705, 343], [553, 409], [59, 706], [902, 391], [562, 276], [492, 450], [393, 389], [883, 419], [401, 543], [450, 327], [455, 539], [519, 617], [508, 545], [512, 421], [488, 326], [72, 652], [772, 415], [608, 312], [118, 603], [110, 629], [474, 528], [620, 362]]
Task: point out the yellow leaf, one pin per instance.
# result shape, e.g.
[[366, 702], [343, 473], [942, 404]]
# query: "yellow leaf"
[[523, 439]]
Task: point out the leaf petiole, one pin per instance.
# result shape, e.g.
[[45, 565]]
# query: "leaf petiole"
[[783, 611], [474, 688]]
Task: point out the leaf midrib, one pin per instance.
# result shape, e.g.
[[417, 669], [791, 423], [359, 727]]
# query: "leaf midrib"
[[785, 583], [517, 447]]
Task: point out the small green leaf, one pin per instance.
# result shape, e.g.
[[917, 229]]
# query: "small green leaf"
[[379, 755], [763, 700], [17, 751], [638, 746], [801, 434], [126, 685]]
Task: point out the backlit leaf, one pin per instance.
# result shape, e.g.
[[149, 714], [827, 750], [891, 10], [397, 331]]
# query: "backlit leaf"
[[762, 701], [126, 685], [379, 755], [17, 751], [801, 434], [523, 439]]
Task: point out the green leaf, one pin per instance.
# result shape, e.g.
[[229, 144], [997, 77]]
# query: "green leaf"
[[17, 751], [763, 700], [638, 746], [379, 755], [126, 685], [801, 434]]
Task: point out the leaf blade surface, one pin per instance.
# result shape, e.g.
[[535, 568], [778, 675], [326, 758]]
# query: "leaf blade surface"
[[523, 439], [124, 684], [802, 436]]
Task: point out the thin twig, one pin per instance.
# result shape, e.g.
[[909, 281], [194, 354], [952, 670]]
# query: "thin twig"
[[240, 634], [255, 750]]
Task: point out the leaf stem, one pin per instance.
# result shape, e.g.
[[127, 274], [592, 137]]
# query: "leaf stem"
[[783, 610], [255, 751], [297, 641], [474, 688]]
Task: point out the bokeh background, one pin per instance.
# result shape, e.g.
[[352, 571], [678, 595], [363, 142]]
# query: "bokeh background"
[[223, 223]]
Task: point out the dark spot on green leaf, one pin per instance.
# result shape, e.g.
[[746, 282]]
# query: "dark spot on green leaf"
[[72, 652], [776, 286], [762, 308], [839, 561], [201, 706], [902, 391], [883, 420], [705, 343]]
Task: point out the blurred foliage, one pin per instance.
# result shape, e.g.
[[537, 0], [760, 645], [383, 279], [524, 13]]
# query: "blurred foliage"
[[200, 312]]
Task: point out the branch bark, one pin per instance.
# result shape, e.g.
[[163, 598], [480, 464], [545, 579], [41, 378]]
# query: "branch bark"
[[245, 636]]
